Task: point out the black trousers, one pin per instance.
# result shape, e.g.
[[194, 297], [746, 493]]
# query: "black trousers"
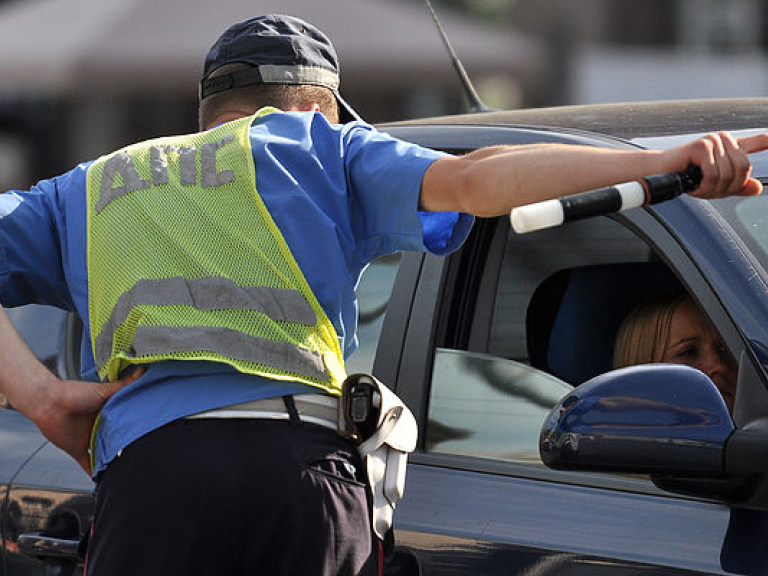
[[234, 497]]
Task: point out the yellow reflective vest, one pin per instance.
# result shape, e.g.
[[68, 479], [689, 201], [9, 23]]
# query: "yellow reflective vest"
[[186, 263]]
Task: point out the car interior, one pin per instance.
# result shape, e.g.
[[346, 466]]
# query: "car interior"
[[574, 315], [560, 297]]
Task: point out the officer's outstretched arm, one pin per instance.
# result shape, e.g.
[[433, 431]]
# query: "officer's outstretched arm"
[[492, 181]]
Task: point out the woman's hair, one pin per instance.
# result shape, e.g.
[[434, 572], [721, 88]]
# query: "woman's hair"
[[643, 334]]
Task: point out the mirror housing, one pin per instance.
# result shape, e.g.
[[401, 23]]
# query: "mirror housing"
[[665, 420]]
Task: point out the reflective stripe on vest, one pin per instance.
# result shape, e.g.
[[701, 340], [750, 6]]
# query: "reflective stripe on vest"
[[164, 340], [186, 263], [213, 294]]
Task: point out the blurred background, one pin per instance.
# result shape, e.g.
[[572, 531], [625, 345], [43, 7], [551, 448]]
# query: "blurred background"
[[79, 78]]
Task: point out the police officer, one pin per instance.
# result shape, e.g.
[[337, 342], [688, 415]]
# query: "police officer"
[[223, 264]]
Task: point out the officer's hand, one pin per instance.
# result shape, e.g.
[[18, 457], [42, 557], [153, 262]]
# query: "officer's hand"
[[724, 162], [70, 411]]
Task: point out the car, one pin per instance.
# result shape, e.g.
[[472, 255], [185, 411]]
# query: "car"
[[491, 346]]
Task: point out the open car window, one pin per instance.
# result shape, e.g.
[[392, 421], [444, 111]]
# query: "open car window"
[[560, 296]]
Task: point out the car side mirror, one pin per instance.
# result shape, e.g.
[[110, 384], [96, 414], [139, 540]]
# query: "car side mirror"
[[665, 420]]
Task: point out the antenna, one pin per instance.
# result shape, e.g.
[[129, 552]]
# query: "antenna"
[[475, 104]]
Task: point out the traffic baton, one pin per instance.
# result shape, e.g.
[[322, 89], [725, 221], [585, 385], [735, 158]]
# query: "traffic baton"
[[649, 190]]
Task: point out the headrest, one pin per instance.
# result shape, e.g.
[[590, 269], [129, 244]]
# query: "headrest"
[[574, 315]]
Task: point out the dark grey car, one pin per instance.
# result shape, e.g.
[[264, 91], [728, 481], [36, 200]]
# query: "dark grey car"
[[484, 344]]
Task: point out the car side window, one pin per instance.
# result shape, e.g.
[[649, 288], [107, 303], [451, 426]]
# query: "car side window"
[[483, 405], [373, 294], [491, 401]]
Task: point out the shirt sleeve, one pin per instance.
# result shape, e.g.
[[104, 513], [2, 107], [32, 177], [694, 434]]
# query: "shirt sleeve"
[[384, 177], [30, 251]]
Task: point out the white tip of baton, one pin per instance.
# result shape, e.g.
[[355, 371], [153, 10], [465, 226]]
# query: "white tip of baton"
[[537, 216]]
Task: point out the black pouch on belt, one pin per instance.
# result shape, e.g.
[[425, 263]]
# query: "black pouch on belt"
[[385, 431]]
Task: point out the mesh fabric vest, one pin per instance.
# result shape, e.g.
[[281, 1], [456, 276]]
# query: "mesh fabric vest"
[[186, 263]]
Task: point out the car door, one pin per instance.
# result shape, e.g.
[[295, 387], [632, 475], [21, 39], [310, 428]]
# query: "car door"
[[454, 345], [48, 502], [478, 500]]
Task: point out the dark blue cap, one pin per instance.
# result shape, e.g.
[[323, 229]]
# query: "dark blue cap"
[[281, 50]]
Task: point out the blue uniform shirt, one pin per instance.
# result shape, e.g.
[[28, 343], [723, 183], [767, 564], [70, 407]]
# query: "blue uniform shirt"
[[341, 195]]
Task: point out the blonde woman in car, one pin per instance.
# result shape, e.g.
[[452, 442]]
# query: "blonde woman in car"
[[673, 329]]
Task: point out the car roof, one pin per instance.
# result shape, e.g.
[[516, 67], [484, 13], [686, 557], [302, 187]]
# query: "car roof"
[[656, 124], [626, 120]]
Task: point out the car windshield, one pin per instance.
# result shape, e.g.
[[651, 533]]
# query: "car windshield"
[[747, 216]]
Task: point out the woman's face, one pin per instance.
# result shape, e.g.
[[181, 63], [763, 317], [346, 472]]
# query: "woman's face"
[[693, 341]]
